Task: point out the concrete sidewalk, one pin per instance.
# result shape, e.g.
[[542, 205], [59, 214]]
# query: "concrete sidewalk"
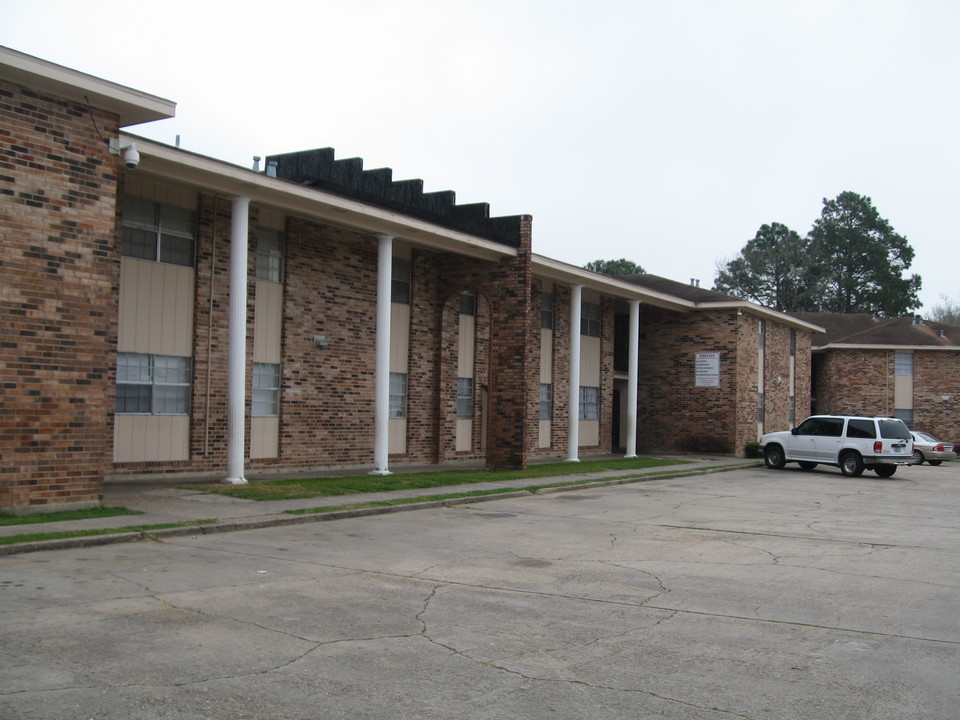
[[165, 502]]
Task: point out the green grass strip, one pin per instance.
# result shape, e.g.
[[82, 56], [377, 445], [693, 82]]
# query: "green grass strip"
[[332, 486], [34, 537], [480, 493], [91, 514]]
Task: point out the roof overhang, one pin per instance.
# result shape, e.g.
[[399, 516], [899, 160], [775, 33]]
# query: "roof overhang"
[[215, 176], [550, 269], [132, 106], [897, 348]]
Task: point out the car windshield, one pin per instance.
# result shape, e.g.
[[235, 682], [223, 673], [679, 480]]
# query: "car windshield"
[[894, 430]]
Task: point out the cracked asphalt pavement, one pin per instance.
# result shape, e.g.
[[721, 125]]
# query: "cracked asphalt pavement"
[[746, 594]]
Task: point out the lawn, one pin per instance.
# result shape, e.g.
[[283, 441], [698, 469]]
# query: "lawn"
[[332, 486]]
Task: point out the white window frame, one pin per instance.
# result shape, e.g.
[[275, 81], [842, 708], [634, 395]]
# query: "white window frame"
[[164, 225], [163, 381], [589, 402], [464, 398], [546, 401], [270, 255], [590, 314], [401, 285], [398, 395], [265, 398]]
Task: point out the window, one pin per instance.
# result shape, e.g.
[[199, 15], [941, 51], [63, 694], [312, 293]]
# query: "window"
[[154, 231], [589, 403], [468, 302], [793, 343], [903, 363], [400, 288], [902, 414], [398, 395], [762, 334], [464, 398], [761, 407], [862, 429], [546, 401], [266, 390], [590, 319], [546, 311], [269, 255], [793, 411], [153, 384]]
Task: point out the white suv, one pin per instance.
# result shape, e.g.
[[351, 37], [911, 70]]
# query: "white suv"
[[849, 442]]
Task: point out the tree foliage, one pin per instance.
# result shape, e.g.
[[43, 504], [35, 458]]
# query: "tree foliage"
[[851, 261], [615, 267], [948, 311], [861, 260], [769, 270]]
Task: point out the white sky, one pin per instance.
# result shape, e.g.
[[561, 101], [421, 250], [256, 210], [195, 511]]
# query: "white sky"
[[663, 131]]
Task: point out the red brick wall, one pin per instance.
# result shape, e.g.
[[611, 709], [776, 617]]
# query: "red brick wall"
[[57, 302]]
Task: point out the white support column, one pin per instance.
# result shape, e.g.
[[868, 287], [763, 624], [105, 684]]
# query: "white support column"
[[381, 425], [237, 353], [632, 375], [573, 434]]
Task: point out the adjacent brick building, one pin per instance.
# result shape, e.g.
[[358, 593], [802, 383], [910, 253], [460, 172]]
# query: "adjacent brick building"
[[904, 367], [167, 313]]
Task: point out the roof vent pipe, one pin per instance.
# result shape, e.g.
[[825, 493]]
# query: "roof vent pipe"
[[256, 163], [271, 168]]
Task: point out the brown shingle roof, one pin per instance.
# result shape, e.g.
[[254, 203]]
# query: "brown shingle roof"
[[681, 290], [865, 329]]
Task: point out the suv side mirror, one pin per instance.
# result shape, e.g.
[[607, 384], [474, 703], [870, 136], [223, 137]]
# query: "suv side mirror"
[[793, 431]]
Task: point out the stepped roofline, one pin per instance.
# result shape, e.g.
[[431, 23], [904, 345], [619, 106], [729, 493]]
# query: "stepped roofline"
[[346, 177]]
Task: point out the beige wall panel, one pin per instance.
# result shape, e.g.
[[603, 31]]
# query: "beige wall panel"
[[546, 356], [589, 433], [465, 346], [264, 437], [903, 392], [399, 337], [397, 435], [271, 218], [149, 438], [267, 322], [156, 308], [589, 361], [140, 186], [545, 429], [464, 435]]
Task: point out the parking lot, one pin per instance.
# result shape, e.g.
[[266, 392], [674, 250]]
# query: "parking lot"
[[746, 594]]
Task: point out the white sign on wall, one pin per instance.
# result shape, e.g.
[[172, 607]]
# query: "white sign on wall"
[[707, 369]]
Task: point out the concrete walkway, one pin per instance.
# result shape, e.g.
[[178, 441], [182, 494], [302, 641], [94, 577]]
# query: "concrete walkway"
[[164, 502]]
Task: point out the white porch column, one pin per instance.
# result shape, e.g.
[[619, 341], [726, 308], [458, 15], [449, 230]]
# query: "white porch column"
[[237, 354], [573, 435], [632, 374], [381, 425]]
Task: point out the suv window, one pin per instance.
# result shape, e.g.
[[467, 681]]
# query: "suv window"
[[810, 426], [894, 429], [831, 427], [861, 429]]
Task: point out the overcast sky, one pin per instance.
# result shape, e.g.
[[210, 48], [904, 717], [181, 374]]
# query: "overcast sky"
[[666, 132]]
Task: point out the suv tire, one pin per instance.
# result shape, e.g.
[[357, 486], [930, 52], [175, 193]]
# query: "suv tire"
[[773, 457], [885, 471], [851, 464]]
